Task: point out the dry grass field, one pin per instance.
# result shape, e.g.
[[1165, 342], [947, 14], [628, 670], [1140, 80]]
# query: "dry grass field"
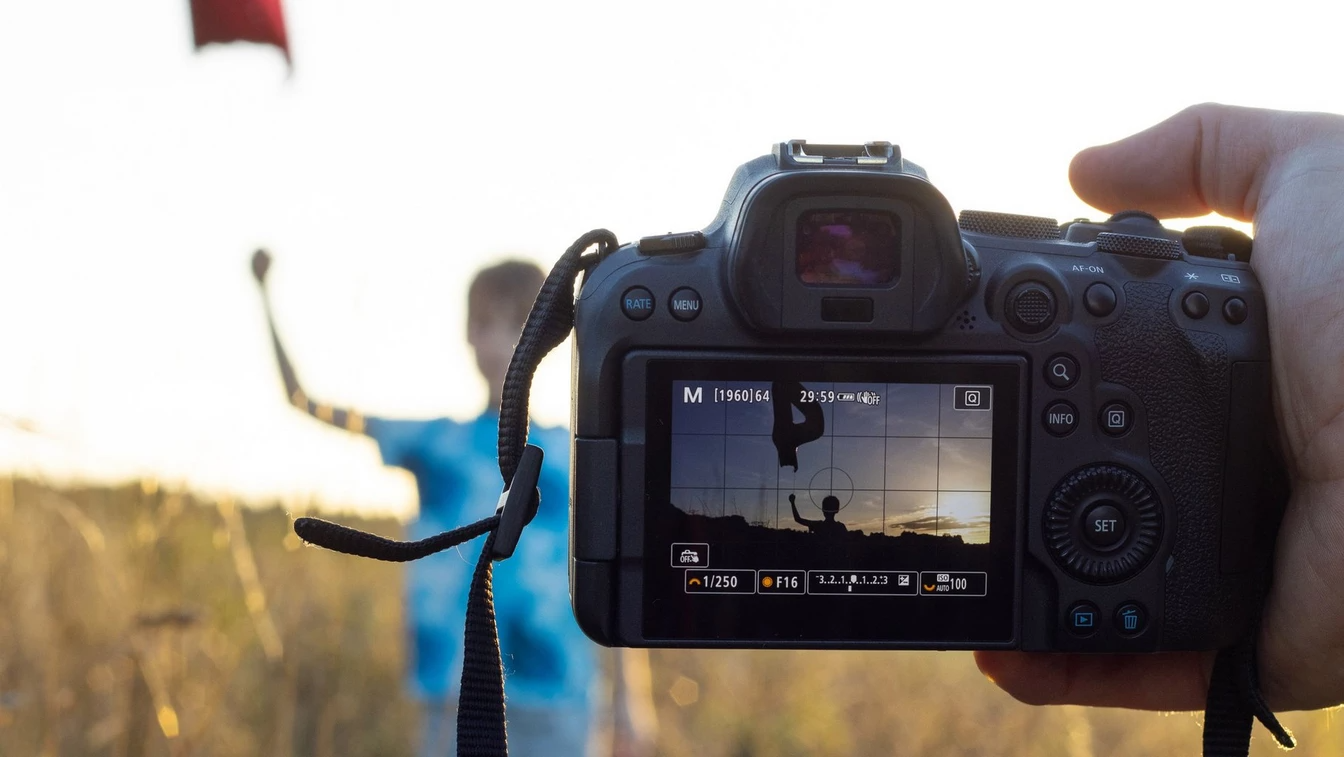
[[137, 621]]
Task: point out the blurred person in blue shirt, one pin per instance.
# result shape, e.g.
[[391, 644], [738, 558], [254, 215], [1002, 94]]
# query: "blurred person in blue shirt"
[[549, 665]]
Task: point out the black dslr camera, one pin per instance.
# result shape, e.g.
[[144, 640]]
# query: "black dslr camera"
[[842, 416]]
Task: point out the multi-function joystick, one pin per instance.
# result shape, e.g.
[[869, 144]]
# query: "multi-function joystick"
[[1030, 307], [1103, 523]]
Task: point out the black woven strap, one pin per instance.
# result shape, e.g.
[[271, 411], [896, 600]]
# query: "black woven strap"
[[480, 708], [549, 322], [1234, 703], [481, 720]]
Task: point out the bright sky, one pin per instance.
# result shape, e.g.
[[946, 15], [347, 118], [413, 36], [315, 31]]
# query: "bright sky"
[[417, 140]]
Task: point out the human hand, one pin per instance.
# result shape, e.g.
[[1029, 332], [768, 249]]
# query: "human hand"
[[1285, 172], [261, 264]]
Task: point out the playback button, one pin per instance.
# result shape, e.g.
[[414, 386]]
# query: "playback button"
[[1082, 619]]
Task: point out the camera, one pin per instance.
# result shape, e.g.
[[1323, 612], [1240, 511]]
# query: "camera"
[[842, 416]]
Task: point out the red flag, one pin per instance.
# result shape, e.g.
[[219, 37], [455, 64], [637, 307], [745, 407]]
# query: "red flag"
[[260, 21]]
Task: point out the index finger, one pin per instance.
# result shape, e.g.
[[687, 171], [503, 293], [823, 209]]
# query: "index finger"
[[1207, 158], [1167, 681]]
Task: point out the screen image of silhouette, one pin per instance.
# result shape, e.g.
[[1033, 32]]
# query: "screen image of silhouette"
[[788, 434], [833, 458], [829, 526]]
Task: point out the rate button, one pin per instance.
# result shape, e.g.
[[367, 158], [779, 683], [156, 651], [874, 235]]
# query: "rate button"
[[637, 303]]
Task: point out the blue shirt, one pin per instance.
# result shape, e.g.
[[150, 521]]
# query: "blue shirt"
[[547, 659]]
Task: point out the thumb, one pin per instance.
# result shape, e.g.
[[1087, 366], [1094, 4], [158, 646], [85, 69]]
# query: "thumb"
[[1207, 158]]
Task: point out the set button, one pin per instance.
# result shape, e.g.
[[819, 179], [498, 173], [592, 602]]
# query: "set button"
[[1104, 525]]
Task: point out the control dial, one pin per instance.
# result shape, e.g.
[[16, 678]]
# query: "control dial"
[[1103, 523]]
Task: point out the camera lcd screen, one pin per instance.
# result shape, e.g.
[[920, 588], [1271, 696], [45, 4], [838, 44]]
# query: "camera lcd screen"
[[820, 501], [848, 247]]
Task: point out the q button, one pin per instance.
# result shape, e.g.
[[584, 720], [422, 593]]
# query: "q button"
[[1061, 372]]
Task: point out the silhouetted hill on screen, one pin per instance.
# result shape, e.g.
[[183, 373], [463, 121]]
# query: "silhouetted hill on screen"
[[734, 528]]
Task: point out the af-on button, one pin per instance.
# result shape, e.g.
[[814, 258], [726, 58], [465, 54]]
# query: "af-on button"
[[1099, 299]]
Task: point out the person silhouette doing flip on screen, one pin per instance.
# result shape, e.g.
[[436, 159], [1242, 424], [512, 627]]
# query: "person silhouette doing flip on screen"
[[830, 505], [549, 664]]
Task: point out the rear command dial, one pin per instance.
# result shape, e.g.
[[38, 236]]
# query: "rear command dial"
[[1103, 523]]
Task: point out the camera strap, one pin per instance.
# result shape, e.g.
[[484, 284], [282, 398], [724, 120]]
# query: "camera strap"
[[1234, 702], [1234, 699], [481, 711]]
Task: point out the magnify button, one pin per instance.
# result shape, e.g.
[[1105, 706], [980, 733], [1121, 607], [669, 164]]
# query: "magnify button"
[[1061, 372]]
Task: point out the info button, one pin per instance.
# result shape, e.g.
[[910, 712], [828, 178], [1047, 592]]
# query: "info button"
[[1061, 418]]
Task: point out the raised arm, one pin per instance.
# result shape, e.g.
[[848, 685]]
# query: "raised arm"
[[796, 516], [349, 420]]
